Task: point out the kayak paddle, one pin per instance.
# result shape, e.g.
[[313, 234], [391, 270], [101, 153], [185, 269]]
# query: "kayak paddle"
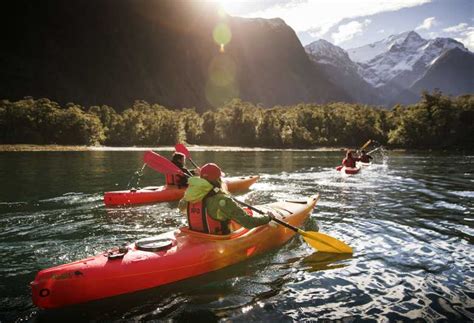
[[180, 148], [317, 240], [320, 241], [160, 163]]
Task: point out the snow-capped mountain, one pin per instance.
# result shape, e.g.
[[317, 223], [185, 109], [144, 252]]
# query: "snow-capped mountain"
[[397, 68], [341, 70], [406, 60]]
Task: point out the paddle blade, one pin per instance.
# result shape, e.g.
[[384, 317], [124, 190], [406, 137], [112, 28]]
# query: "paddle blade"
[[180, 148], [324, 243], [160, 163]]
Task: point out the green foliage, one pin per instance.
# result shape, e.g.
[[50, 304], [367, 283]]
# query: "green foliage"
[[437, 121], [45, 122]]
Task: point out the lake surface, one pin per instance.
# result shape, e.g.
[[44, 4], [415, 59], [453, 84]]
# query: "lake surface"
[[409, 218]]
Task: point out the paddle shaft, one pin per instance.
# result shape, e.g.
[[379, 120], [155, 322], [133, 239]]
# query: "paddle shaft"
[[366, 144], [374, 150], [192, 162], [289, 226]]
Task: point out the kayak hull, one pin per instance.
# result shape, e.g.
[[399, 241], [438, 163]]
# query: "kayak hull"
[[156, 194], [189, 254], [348, 170]]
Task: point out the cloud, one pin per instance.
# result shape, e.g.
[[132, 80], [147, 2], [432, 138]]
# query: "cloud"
[[457, 28], [350, 30], [427, 24], [467, 38], [319, 16], [463, 33]]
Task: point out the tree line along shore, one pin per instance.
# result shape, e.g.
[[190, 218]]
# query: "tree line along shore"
[[437, 121]]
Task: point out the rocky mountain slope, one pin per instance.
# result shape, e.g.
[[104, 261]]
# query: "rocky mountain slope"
[[341, 70], [163, 51]]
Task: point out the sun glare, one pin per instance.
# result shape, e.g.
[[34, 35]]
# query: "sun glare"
[[230, 6]]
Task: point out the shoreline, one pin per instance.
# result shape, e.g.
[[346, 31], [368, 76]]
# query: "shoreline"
[[33, 148]]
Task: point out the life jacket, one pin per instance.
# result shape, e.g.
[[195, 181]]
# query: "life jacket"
[[170, 180], [365, 159], [349, 162], [173, 179], [199, 220]]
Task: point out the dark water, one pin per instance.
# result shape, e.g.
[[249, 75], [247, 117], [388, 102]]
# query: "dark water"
[[409, 218]]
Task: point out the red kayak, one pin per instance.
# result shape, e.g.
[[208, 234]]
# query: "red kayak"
[[348, 170], [167, 258], [156, 194]]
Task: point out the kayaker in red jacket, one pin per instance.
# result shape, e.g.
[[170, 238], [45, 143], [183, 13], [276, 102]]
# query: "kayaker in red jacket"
[[364, 157], [208, 207], [350, 160], [179, 180]]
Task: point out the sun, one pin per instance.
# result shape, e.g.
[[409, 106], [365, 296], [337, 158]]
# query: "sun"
[[230, 6]]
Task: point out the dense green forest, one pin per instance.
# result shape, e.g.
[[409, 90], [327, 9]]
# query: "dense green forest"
[[437, 121]]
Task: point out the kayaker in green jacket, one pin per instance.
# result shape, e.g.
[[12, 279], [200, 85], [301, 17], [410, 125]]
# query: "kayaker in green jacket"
[[208, 207]]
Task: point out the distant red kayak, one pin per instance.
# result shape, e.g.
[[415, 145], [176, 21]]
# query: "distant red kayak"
[[157, 194], [348, 170]]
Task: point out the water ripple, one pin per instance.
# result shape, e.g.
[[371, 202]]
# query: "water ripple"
[[408, 217]]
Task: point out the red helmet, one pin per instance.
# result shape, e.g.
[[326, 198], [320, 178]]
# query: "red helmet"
[[211, 172]]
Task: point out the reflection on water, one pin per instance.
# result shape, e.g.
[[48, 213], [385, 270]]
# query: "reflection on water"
[[324, 261], [408, 217]]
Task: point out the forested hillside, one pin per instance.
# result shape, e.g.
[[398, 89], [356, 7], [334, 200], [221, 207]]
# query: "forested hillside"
[[437, 121]]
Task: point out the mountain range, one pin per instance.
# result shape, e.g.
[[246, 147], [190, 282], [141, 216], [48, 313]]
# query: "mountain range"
[[187, 54], [398, 68]]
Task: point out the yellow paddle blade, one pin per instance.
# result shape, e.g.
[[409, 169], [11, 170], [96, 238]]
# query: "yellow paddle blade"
[[324, 243], [366, 144]]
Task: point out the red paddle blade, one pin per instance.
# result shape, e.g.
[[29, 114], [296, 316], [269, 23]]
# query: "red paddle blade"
[[338, 168], [180, 148], [160, 163]]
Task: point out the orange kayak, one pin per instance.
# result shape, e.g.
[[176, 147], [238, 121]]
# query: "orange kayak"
[[164, 259], [157, 194]]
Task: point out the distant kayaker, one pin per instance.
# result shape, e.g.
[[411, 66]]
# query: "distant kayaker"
[[175, 179], [208, 207], [364, 157], [350, 160]]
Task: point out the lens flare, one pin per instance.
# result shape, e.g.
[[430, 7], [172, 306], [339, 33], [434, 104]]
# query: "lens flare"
[[222, 70], [217, 96], [222, 34], [221, 86]]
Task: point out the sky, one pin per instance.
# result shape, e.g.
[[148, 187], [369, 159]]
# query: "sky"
[[354, 23]]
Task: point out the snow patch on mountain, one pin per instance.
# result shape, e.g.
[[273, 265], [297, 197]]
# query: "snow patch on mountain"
[[367, 52], [323, 52]]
